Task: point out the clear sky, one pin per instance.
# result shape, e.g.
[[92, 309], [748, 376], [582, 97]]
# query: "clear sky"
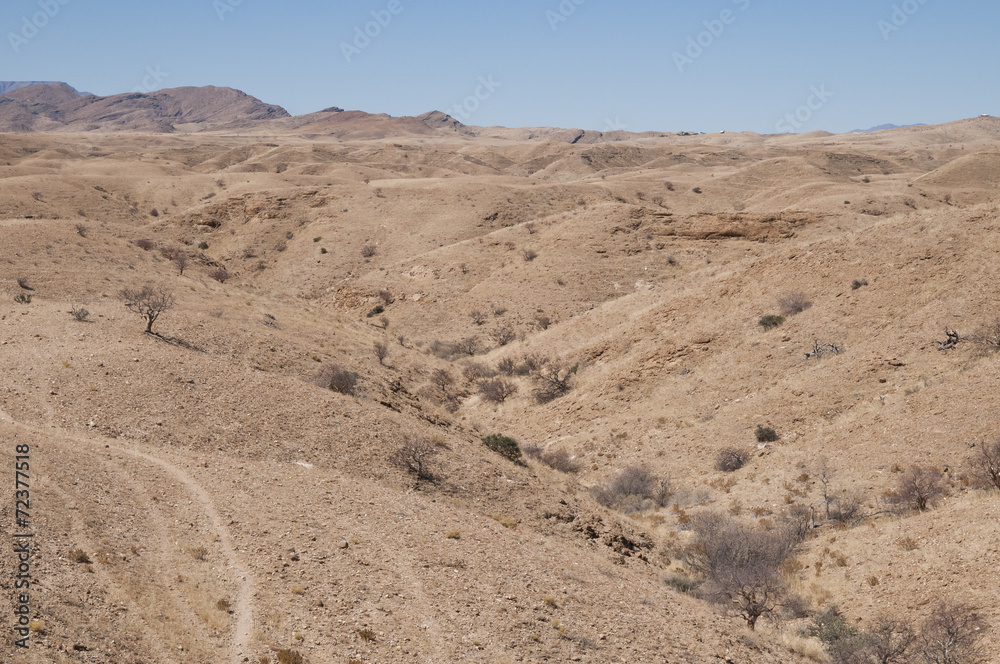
[[670, 65]]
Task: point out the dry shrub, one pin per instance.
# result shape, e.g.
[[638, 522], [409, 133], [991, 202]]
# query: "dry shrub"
[[503, 335], [497, 390], [381, 350], [560, 460], [290, 657], [741, 564], [984, 466], [847, 505], [368, 250], [476, 371], [79, 313], [634, 489], [335, 378], [952, 634], [507, 366], [918, 488], [79, 556], [221, 275], [794, 302], [552, 381], [731, 459], [415, 456], [987, 338], [443, 379], [890, 641], [145, 244]]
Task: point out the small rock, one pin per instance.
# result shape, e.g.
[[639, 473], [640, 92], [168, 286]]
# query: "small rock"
[[344, 544]]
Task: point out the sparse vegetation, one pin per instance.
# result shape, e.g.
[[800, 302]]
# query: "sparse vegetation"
[[150, 302], [368, 250], [81, 230], [23, 283], [23, 298], [203, 245], [530, 255], [858, 283], [221, 275], [79, 314], [145, 244]]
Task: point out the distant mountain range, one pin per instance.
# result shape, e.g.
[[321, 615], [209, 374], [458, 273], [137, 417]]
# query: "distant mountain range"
[[884, 127], [59, 107], [7, 86]]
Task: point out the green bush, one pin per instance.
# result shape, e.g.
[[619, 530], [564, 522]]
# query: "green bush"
[[770, 321], [504, 446]]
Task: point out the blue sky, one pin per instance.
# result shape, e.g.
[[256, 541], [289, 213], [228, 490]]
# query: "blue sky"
[[672, 65]]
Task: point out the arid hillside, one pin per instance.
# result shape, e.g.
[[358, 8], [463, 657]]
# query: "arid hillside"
[[693, 340]]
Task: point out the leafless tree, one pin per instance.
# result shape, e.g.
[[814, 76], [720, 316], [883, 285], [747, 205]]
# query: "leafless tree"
[[150, 302], [181, 261], [384, 321], [552, 381], [415, 456], [381, 349], [476, 371], [741, 564], [497, 390], [984, 465], [890, 641], [919, 488], [952, 634], [443, 379]]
